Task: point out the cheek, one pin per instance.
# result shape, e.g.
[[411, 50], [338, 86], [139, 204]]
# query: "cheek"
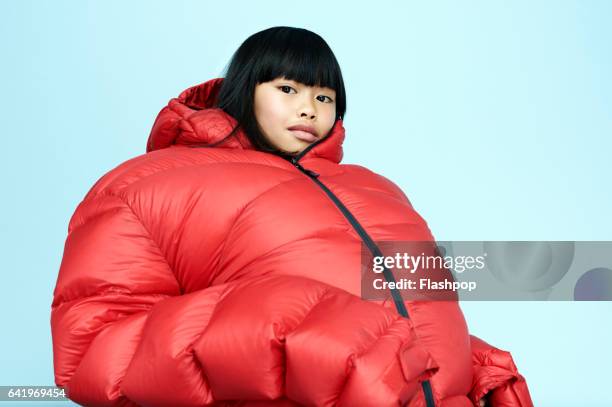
[[270, 113], [328, 118]]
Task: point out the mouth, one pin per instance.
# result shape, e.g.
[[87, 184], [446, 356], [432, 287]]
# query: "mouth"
[[303, 133]]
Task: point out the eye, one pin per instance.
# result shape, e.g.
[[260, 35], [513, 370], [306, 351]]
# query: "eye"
[[286, 89], [323, 96]]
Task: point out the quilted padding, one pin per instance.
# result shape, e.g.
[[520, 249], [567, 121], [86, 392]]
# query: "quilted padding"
[[223, 275]]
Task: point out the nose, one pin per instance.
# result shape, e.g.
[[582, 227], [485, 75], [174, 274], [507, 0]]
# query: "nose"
[[307, 109]]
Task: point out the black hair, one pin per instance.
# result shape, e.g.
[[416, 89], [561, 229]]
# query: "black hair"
[[294, 53]]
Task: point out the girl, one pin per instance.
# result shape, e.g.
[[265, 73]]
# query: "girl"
[[223, 266]]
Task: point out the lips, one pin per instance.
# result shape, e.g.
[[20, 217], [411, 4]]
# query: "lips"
[[305, 133]]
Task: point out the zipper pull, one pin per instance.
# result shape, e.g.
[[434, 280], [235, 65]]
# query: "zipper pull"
[[306, 171]]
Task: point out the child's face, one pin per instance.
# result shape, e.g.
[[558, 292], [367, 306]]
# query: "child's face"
[[282, 104]]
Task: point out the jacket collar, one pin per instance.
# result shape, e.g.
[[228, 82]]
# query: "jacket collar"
[[193, 119]]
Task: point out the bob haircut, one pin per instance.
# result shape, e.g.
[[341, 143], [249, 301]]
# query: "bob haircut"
[[293, 53]]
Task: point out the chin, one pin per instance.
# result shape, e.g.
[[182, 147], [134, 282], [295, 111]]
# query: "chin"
[[299, 146]]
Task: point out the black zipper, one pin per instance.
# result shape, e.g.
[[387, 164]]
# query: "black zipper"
[[397, 298], [374, 249], [429, 398]]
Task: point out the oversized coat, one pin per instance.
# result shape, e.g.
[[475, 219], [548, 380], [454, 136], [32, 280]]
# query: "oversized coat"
[[197, 275]]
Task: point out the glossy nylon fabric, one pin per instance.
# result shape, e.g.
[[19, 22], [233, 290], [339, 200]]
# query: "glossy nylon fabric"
[[199, 276]]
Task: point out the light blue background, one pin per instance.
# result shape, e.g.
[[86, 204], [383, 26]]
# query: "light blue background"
[[493, 117]]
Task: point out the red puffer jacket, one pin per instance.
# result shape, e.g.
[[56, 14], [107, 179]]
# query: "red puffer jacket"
[[230, 276]]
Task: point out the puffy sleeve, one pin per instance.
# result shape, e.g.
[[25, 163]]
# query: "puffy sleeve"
[[125, 334], [496, 377]]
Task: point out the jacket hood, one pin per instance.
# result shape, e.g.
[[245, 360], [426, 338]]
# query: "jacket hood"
[[192, 119]]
